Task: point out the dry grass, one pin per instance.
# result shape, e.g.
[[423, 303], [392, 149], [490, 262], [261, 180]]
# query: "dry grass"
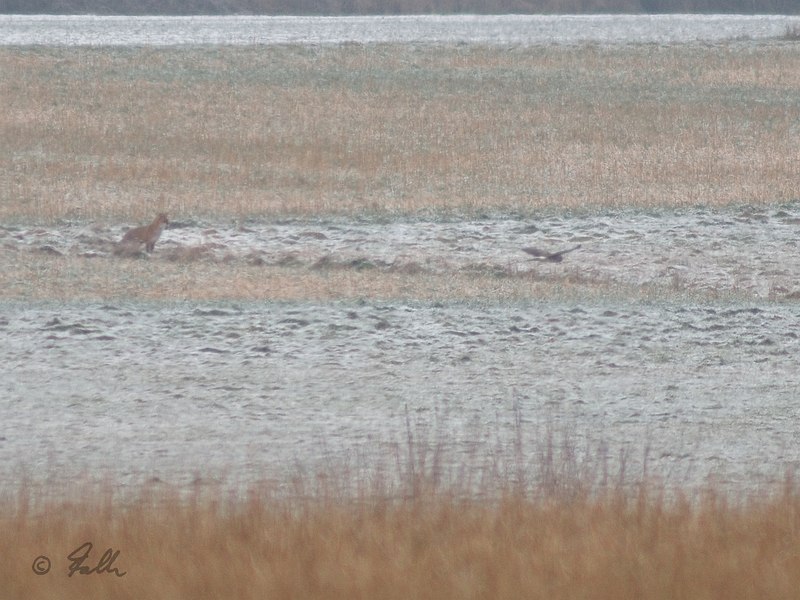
[[553, 521], [39, 276], [433, 545], [112, 133]]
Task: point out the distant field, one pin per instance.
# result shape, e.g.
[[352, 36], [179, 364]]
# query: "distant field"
[[377, 7], [110, 134]]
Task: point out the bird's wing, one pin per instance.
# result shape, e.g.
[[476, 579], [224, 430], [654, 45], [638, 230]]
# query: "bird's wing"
[[563, 252], [535, 252]]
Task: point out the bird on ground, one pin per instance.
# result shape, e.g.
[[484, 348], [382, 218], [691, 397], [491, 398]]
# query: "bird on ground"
[[549, 256]]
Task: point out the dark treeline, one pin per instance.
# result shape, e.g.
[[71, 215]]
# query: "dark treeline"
[[392, 7]]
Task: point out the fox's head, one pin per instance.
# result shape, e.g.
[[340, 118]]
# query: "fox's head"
[[162, 218]]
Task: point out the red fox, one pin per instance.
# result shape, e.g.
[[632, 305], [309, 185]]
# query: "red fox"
[[146, 234]]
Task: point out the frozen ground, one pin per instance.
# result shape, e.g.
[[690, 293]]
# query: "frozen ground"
[[503, 30], [744, 252], [136, 390]]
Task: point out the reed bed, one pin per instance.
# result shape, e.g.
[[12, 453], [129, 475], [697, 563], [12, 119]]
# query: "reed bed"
[[430, 544], [102, 134], [558, 519], [554, 519]]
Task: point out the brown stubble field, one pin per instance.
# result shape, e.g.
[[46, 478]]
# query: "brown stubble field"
[[115, 135], [106, 134]]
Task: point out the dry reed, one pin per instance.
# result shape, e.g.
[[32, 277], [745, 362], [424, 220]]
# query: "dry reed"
[[431, 545], [103, 133], [39, 276], [552, 521]]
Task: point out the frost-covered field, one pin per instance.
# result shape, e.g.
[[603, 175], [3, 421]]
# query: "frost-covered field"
[[262, 391], [739, 253], [672, 338], [504, 30]]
